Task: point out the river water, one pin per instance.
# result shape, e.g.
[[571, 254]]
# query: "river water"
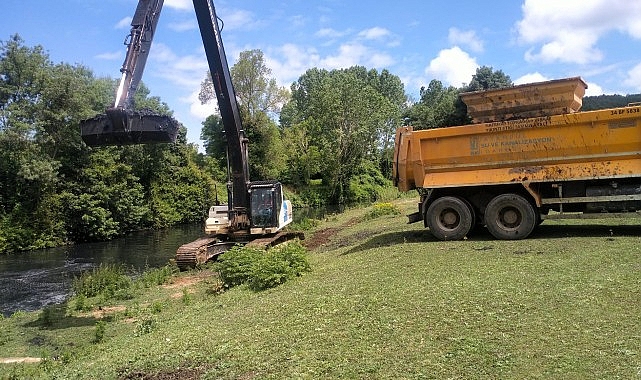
[[32, 280]]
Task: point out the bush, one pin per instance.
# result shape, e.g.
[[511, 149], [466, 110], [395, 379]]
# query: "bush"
[[109, 281], [305, 224], [156, 276], [263, 269], [236, 266], [381, 209]]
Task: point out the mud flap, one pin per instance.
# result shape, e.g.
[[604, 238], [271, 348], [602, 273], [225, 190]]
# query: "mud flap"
[[124, 127]]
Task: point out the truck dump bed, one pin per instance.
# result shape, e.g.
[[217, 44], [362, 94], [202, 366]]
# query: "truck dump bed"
[[555, 97], [583, 145]]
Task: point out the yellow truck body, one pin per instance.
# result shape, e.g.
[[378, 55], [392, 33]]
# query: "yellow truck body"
[[586, 145], [581, 162]]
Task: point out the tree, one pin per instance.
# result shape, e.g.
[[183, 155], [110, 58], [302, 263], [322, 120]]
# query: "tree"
[[254, 88], [54, 188], [436, 108], [486, 78], [349, 113], [258, 96]]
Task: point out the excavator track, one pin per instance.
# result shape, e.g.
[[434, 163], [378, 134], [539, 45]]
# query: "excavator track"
[[208, 248], [200, 251]]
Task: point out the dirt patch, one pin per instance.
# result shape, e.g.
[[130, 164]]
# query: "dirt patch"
[[19, 360], [322, 237], [185, 282], [104, 311], [190, 279]]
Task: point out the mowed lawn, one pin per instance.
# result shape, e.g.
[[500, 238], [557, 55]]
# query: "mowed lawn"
[[384, 301]]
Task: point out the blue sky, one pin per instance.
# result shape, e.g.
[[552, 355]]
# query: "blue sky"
[[417, 40]]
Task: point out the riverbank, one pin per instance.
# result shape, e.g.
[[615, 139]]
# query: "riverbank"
[[383, 300]]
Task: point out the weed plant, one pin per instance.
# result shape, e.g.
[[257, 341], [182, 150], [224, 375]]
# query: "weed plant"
[[382, 209], [261, 269], [106, 280]]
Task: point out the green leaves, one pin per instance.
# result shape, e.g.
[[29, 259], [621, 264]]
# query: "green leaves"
[[261, 269], [351, 114], [73, 192]]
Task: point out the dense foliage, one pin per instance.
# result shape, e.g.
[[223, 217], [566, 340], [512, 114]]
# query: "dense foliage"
[[261, 269], [54, 188]]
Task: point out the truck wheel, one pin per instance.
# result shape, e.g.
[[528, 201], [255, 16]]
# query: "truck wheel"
[[449, 218], [510, 217]]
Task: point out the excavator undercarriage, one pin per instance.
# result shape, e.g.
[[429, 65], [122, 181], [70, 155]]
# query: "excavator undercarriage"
[[207, 249]]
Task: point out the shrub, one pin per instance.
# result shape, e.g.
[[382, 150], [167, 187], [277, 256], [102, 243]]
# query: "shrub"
[[236, 266], [305, 224], [109, 281], [381, 209], [156, 276], [263, 269], [99, 333], [278, 265]]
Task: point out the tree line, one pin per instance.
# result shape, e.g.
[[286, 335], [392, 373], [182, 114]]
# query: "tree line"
[[329, 138]]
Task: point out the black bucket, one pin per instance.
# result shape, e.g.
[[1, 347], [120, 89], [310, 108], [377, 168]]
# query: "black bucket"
[[124, 127]]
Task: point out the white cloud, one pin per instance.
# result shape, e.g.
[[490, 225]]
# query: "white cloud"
[[290, 61], [179, 4], [111, 56], [466, 38], [329, 33], [453, 66], [199, 110], [184, 72], [375, 33], [634, 78], [125, 23], [568, 30], [238, 19], [354, 53], [531, 78], [594, 89]]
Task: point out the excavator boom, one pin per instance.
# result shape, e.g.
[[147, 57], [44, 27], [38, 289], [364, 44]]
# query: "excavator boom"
[[121, 124]]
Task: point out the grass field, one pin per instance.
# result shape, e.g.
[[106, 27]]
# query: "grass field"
[[384, 300]]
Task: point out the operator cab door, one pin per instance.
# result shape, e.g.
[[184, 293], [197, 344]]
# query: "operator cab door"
[[265, 203]]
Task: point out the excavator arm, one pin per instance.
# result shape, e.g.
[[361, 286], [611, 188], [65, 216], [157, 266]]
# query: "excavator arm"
[[143, 27], [121, 124], [238, 194]]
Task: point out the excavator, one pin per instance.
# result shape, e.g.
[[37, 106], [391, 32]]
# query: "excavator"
[[256, 212]]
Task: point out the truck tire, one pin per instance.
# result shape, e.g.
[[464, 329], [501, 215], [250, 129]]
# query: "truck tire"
[[449, 218], [510, 217]]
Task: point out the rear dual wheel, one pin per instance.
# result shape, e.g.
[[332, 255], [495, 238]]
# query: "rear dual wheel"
[[510, 217], [450, 218]]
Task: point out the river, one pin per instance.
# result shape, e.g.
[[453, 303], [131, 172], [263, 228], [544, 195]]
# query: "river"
[[32, 280]]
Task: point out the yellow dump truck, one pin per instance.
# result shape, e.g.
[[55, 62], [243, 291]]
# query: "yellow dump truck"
[[528, 156]]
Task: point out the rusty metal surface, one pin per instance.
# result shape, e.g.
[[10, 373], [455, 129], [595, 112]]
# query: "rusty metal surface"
[[547, 98], [586, 145]]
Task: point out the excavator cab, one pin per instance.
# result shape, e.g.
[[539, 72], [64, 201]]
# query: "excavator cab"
[[269, 211]]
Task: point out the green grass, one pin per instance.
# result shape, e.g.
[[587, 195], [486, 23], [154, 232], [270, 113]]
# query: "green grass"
[[383, 300]]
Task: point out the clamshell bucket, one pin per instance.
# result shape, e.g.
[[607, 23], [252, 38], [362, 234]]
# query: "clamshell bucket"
[[124, 127]]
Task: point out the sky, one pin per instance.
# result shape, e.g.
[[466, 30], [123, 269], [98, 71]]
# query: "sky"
[[417, 40]]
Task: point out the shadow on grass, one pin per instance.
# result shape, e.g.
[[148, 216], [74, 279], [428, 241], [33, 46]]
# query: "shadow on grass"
[[55, 317], [557, 231]]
